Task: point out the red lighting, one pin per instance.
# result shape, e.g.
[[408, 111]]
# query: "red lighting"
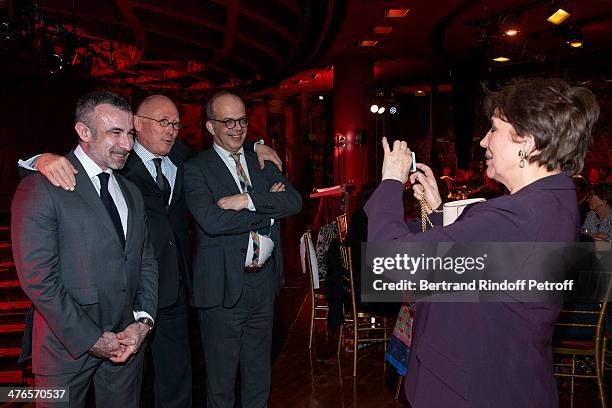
[[382, 30], [396, 12], [368, 43]]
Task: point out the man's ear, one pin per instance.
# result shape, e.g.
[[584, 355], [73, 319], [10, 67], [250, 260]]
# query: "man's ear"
[[137, 123], [210, 127], [83, 131]]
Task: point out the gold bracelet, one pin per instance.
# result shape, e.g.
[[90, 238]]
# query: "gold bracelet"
[[425, 208]]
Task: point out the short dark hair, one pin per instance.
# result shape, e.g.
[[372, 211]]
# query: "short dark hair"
[[604, 192], [210, 105], [560, 118], [88, 102]]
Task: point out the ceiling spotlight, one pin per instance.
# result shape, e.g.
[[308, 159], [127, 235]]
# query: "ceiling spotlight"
[[374, 108], [55, 63], [381, 110], [321, 97], [419, 93], [574, 37], [500, 53], [393, 110], [509, 23], [558, 12], [501, 59]]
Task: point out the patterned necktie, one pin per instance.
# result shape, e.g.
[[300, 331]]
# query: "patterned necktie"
[[161, 180], [245, 186], [111, 208]]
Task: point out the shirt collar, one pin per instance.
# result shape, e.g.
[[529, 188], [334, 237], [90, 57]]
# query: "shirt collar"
[[144, 153], [224, 153], [91, 168]]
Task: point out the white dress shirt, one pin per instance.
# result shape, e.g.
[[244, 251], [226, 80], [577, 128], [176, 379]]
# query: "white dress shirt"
[[168, 168], [92, 170], [266, 244]]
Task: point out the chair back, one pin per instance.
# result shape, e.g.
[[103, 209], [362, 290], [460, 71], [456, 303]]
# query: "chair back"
[[342, 227], [349, 282], [309, 260]]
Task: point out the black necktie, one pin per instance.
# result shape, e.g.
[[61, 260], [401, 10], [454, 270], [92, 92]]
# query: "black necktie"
[[161, 180], [111, 208]]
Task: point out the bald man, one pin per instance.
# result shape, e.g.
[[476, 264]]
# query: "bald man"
[[157, 169]]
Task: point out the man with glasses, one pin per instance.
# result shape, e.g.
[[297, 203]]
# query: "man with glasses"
[[157, 169], [238, 266]]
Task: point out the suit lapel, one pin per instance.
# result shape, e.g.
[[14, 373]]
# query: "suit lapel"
[[87, 191], [136, 171], [217, 167], [255, 174], [178, 182]]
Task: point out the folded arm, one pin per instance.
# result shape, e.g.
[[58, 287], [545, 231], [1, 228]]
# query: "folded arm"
[[209, 216], [277, 203]]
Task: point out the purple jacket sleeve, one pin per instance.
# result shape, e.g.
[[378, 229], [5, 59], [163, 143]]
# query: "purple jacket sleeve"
[[386, 215]]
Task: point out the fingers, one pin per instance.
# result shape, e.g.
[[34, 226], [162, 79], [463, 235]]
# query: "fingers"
[[385, 145], [58, 170], [128, 341], [426, 169], [267, 153], [276, 160], [123, 357], [277, 187], [418, 192]]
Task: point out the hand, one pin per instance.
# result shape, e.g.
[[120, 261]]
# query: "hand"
[[600, 236], [57, 169], [426, 186], [235, 202], [107, 346], [396, 162], [277, 187], [131, 338], [267, 153]]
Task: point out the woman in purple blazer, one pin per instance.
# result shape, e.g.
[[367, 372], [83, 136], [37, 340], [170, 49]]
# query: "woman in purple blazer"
[[495, 354]]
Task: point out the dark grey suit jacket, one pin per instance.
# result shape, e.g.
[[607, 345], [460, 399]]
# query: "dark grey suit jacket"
[[223, 235], [476, 354], [73, 267]]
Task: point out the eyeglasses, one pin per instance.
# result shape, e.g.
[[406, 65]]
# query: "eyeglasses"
[[164, 122], [231, 123]]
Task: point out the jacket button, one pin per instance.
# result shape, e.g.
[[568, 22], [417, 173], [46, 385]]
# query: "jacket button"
[[243, 250], [171, 243], [123, 289]]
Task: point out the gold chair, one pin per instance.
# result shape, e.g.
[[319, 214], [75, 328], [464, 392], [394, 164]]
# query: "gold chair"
[[367, 327], [593, 348], [319, 308], [342, 227]]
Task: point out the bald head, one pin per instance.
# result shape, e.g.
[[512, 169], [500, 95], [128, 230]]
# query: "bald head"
[[153, 102], [154, 137]]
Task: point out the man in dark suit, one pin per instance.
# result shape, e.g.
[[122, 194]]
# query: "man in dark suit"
[[156, 167], [238, 266], [85, 261]]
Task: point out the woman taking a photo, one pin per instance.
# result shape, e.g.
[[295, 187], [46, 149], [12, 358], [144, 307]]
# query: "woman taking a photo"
[[494, 354]]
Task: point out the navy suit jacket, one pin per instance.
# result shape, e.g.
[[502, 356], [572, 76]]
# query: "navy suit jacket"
[[484, 354], [223, 235]]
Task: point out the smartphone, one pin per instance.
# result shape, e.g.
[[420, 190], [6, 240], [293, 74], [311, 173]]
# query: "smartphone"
[[413, 168]]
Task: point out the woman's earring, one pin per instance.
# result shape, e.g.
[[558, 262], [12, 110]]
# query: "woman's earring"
[[522, 155]]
